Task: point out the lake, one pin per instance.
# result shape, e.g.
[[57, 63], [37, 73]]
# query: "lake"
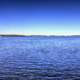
[[39, 58]]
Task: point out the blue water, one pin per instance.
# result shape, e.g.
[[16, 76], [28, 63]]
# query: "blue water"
[[39, 58]]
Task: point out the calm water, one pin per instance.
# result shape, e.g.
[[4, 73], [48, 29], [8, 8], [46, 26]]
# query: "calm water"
[[42, 58]]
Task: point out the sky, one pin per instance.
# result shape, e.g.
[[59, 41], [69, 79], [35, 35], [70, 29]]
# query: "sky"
[[40, 17]]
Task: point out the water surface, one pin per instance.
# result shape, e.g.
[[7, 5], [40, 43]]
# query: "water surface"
[[39, 58]]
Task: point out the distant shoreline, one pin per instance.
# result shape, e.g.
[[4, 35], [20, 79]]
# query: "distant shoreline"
[[16, 35], [12, 35]]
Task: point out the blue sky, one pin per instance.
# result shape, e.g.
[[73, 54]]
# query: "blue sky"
[[40, 17]]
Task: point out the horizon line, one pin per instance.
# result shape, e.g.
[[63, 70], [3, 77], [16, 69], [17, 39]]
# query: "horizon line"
[[35, 35]]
